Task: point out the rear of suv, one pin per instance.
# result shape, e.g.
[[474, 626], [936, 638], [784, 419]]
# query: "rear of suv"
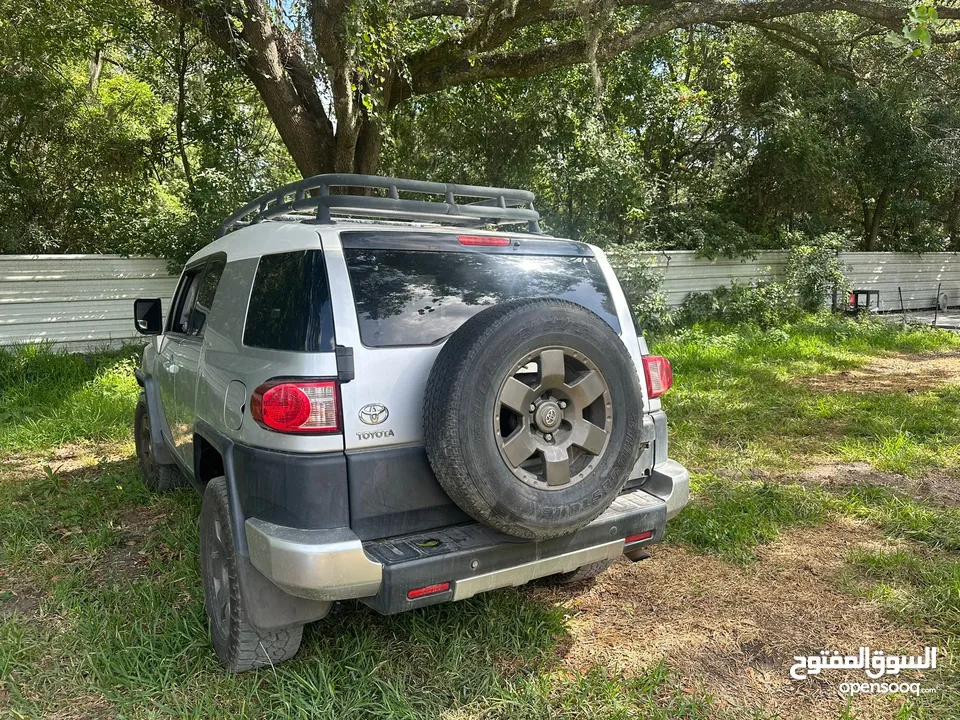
[[398, 412]]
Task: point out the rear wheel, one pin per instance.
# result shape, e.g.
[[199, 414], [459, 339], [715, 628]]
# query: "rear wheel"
[[157, 477], [584, 572], [237, 643]]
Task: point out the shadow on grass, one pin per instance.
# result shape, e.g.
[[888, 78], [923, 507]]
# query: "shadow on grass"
[[48, 398]]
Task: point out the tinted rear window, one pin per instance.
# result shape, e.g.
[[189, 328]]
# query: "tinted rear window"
[[412, 297], [290, 304]]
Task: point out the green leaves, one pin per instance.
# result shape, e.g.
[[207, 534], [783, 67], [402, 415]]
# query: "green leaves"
[[918, 29]]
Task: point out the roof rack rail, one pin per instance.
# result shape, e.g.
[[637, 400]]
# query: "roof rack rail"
[[490, 206]]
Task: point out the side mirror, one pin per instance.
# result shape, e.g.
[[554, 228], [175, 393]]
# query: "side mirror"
[[147, 316]]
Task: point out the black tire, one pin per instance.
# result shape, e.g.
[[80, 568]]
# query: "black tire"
[[464, 399], [585, 572], [156, 477], [237, 643]]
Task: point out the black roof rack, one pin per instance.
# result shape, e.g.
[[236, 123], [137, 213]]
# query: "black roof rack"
[[489, 205]]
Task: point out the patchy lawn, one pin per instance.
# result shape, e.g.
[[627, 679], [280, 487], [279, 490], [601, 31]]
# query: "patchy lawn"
[[825, 517]]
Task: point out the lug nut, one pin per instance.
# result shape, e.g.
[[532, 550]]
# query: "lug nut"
[[533, 407], [548, 437], [563, 404]]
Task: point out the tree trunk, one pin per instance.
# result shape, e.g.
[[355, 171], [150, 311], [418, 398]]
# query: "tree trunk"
[[183, 60], [953, 220], [96, 66], [366, 157], [872, 220]]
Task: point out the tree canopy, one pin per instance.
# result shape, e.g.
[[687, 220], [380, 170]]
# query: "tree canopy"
[[135, 126]]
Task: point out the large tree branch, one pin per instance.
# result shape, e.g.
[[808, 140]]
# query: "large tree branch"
[[427, 76], [494, 25], [809, 48], [467, 9]]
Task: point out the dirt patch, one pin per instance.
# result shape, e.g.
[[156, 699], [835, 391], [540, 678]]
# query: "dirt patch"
[[734, 630], [20, 600], [138, 521], [895, 373], [127, 562], [72, 458], [935, 486]]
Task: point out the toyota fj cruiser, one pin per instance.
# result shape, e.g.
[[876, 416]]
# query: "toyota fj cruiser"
[[386, 400]]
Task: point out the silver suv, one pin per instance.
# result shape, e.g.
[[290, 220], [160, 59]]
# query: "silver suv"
[[382, 398]]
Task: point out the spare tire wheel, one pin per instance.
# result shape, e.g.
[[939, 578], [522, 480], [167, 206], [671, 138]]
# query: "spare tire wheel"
[[532, 417]]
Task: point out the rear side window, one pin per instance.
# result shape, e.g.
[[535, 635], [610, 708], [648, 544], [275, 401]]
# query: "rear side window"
[[290, 304], [205, 295], [185, 298], [414, 297]]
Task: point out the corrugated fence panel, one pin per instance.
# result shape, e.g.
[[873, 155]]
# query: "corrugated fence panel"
[[76, 301], [684, 272], [915, 275]]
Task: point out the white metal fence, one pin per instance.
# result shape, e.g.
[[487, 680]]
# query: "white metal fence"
[[917, 276], [86, 301], [77, 301]]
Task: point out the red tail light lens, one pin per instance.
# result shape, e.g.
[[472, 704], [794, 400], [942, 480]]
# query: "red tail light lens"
[[428, 590], [483, 240], [646, 535], [659, 375], [310, 407]]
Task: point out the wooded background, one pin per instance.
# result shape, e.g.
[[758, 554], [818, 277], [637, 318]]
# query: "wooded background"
[[129, 126]]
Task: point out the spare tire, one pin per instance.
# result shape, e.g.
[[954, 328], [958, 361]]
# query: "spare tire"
[[532, 417]]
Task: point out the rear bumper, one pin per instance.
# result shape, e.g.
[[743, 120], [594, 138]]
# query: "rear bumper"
[[314, 564], [334, 564], [670, 481]]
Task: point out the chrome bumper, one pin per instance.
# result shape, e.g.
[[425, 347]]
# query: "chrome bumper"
[[314, 564], [670, 481], [520, 574]]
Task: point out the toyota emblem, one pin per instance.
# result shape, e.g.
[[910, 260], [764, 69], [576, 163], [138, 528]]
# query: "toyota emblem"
[[373, 414]]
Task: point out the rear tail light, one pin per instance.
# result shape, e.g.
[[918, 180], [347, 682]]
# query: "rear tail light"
[[483, 240], [428, 590], [659, 375], [295, 406], [646, 535]]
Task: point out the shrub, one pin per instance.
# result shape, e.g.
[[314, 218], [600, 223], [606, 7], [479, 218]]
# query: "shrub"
[[814, 271], [641, 280], [766, 304]]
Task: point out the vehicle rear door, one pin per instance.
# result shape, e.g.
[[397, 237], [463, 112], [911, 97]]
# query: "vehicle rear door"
[[166, 369], [189, 355], [398, 295], [178, 348]]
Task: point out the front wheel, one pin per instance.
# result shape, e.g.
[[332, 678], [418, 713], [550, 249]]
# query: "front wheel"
[[157, 477], [237, 643]]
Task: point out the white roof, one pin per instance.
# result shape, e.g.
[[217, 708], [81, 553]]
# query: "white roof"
[[276, 236]]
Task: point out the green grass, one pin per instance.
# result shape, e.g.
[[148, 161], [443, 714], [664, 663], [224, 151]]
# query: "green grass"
[[736, 406], [121, 627], [49, 399], [109, 576], [922, 589], [731, 518]]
